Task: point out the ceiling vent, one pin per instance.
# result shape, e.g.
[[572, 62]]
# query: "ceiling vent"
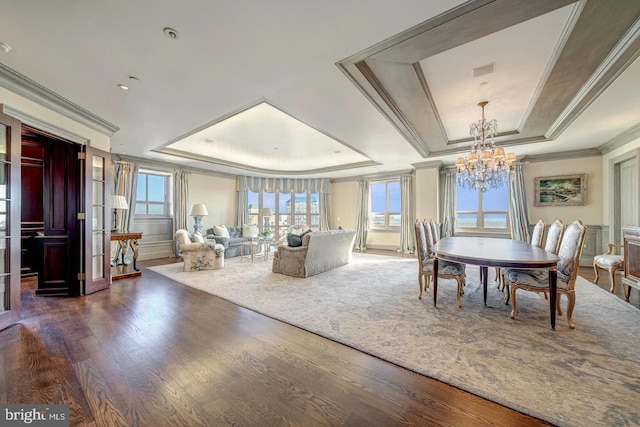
[[484, 70]]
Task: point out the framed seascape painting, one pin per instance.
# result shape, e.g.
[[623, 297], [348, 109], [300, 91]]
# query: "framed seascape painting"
[[561, 190]]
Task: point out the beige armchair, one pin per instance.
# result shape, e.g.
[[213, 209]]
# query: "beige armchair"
[[610, 262], [198, 254]]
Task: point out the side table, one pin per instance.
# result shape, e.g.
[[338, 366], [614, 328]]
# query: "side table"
[[121, 269]]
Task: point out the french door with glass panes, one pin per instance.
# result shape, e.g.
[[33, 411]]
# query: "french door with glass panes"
[[10, 241]]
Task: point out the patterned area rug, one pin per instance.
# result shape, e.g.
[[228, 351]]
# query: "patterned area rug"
[[583, 377]]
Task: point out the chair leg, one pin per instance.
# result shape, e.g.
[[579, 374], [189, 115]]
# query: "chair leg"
[[420, 279], [595, 268], [558, 305], [572, 302], [460, 284], [612, 276], [513, 302], [498, 278], [507, 288], [627, 292]]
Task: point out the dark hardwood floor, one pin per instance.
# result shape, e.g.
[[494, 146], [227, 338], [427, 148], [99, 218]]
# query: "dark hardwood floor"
[[150, 351]]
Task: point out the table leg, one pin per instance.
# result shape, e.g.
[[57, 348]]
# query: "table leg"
[[123, 249], [134, 246], [435, 280], [484, 272], [553, 285]]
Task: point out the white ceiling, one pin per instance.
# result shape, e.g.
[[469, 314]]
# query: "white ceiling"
[[284, 58]]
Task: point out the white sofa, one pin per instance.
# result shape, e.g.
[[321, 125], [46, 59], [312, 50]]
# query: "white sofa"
[[320, 251]]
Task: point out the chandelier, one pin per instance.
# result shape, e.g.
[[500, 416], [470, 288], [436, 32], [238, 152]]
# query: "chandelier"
[[486, 166]]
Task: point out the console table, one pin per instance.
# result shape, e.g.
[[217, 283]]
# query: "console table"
[[121, 270], [631, 277]]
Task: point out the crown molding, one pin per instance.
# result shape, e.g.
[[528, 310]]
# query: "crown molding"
[[437, 164], [169, 166], [621, 140], [562, 155], [35, 122], [24, 86]]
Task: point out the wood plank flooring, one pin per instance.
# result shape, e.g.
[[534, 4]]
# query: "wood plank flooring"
[[150, 351]]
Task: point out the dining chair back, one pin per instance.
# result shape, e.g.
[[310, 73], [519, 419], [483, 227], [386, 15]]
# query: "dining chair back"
[[538, 234], [567, 269], [554, 236], [446, 269]]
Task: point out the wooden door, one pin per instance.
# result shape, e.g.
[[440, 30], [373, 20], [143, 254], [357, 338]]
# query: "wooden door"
[[9, 220], [58, 246], [97, 181]]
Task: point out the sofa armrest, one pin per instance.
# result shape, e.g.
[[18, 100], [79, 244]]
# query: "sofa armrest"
[[197, 247], [290, 261], [224, 241]]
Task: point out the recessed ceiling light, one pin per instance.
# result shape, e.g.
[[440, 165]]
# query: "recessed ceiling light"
[[5, 48], [134, 78], [337, 152], [171, 33], [208, 140], [123, 87]]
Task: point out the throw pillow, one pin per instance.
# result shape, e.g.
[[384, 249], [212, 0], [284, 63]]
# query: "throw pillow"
[[221, 230], [197, 238], [295, 240], [249, 231]]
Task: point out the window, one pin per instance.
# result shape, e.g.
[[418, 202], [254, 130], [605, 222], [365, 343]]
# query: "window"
[[287, 209], [153, 194], [384, 204], [480, 211]]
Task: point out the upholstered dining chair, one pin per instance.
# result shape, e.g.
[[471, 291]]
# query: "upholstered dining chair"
[[554, 236], [536, 240], [538, 280], [446, 269], [611, 262]]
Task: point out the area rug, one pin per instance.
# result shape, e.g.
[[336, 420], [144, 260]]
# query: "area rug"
[[583, 377]]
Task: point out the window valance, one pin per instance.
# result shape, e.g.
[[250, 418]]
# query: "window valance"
[[283, 185]]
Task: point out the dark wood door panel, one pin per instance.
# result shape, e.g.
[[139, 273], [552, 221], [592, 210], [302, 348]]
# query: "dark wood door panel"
[[53, 271]]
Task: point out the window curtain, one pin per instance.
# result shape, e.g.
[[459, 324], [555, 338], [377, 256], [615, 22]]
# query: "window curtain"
[[518, 211], [180, 203], [283, 185], [407, 217], [243, 202], [325, 213], [449, 202], [362, 220], [125, 183]]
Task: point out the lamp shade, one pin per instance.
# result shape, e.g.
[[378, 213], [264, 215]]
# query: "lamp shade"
[[119, 202], [199, 210], [266, 212]]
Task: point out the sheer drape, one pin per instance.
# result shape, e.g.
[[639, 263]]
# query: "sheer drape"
[[407, 217], [125, 176], [125, 183], [283, 185], [449, 202], [518, 211], [362, 220], [325, 213], [180, 202]]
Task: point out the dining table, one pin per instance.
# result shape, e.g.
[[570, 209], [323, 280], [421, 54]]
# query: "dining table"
[[496, 252]]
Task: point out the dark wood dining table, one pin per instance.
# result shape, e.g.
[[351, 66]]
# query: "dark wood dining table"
[[495, 252]]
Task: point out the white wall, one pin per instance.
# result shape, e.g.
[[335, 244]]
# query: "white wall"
[[343, 197], [427, 186], [591, 213], [218, 194]]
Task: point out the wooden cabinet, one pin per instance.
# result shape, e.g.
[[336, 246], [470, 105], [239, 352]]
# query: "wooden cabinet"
[[631, 278]]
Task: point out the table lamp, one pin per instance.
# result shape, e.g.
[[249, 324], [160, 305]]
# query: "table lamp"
[[266, 213], [117, 202], [197, 212]]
